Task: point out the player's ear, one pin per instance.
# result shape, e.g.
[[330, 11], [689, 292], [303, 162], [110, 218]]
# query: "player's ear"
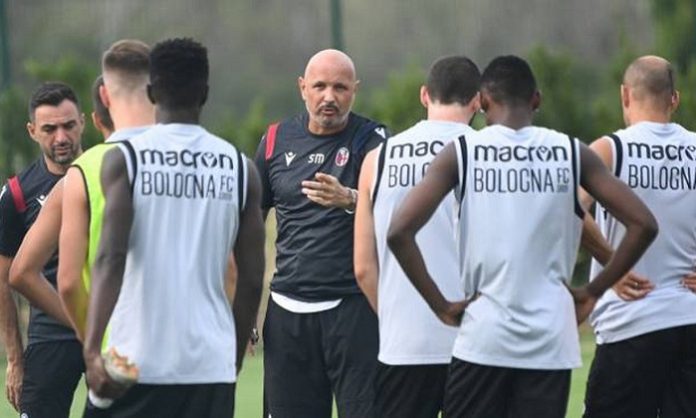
[[149, 94], [625, 96], [301, 85], [31, 128], [205, 95], [424, 96], [475, 102], [675, 100], [96, 122], [485, 102], [82, 123], [536, 100], [104, 96]]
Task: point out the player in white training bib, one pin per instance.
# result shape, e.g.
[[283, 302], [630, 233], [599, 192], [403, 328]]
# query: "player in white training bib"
[[521, 223], [645, 363], [180, 205], [415, 347]]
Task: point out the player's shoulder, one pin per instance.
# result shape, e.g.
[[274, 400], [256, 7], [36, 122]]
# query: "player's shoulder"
[[16, 186], [94, 153], [489, 132], [222, 145], [552, 137], [35, 176], [428, 130], [6, 200], [623, 133], [644, 129], [549, 132], [34, 171]]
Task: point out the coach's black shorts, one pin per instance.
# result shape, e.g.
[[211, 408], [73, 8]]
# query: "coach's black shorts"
[[309, 356], [413, 391], [644, 376], [214, 400], [476, 391], [52, 371]]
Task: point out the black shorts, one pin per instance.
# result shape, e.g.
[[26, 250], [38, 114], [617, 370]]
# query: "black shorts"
[[308, 357], [476, 391], [52, 371], [644, 376], [214, 400], [413, 391]]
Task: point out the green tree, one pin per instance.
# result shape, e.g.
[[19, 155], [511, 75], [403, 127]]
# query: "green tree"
[[71, 70], [16, 148], [686, 84], [566, 89], [397, 104], [675, 39], [675, 33], [245, 133]]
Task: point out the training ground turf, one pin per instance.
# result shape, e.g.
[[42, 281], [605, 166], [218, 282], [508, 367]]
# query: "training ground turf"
[[249, 386]]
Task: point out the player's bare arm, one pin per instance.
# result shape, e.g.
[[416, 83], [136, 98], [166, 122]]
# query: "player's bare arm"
[[73, 243], [36, 250], [365, 260], [249, 253], [328, 191], [627, 208], [416, 209], [632, 286], [107, 273], [9, 326], [231, 279]]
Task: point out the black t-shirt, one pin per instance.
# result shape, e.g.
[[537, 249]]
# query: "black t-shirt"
[[35, 182], [314, 248]]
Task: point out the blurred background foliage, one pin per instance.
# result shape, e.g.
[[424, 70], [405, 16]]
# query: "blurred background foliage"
[[578, 51]]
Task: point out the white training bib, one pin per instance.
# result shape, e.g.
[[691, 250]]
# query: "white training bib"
[[173, 319], [658, 161], [410, 333], [520, 225]]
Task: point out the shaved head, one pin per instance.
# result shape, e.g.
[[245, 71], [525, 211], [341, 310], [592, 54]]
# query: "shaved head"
[[328, 89], [333, 59], [650, 79]]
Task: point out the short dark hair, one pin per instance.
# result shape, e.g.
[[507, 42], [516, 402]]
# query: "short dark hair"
[[99, 108], [453, 79], [179, 73], [509, 80], [130, 56], [51, 93]]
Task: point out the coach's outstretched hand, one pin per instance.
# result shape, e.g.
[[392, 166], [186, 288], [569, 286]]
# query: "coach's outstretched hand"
[[98, 379], [584, 303], [328, 191]]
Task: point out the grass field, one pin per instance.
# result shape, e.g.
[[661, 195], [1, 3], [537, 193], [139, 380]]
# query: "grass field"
[[249, 387]]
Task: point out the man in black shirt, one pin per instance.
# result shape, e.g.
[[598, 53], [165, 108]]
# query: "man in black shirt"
[[40, 382], [320, 335]]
